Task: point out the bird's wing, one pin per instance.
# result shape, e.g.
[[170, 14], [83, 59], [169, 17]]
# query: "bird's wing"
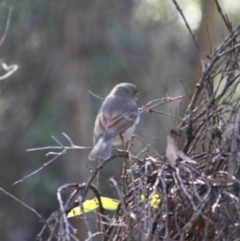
[[109, 126]]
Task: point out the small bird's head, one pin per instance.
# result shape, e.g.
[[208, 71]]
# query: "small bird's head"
[[125, 90]]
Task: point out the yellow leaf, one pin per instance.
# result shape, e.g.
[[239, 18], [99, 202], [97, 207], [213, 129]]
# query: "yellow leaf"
[[108, 204], [154, 201], [90, 205]]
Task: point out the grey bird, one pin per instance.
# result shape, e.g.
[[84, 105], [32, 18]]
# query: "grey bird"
[[116, 120]]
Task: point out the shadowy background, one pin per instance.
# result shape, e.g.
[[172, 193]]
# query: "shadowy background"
[[64, 49]]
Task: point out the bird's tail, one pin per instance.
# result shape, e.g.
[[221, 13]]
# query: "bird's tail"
[[102, 150]]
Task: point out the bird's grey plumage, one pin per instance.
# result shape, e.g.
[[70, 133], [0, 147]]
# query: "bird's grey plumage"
[[118, 115]]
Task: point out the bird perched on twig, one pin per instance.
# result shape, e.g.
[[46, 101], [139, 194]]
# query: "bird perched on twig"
[[116, 120]]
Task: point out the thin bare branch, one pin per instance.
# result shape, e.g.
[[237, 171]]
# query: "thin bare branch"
[[22, 203], [10, 70], [96, 96], [7, 26], [188, 27]]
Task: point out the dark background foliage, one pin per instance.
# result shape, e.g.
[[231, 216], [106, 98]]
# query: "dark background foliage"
[[64, 49]]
